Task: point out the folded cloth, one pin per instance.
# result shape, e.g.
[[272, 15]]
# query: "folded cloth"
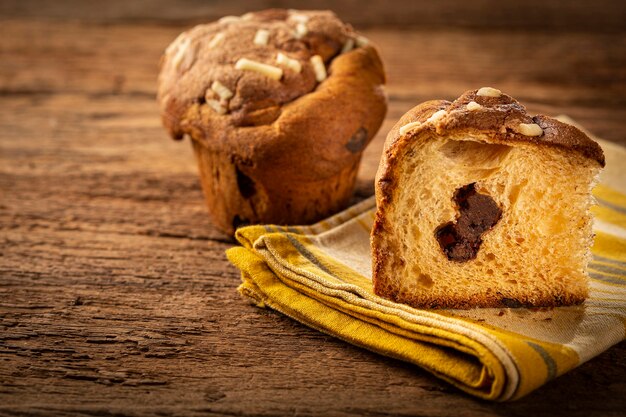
[[320, 275]]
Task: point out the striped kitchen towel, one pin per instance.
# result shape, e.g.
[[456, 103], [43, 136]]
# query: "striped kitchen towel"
[[320, 275]]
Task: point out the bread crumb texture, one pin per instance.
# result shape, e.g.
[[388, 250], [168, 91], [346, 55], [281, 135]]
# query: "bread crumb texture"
[[536, 254]]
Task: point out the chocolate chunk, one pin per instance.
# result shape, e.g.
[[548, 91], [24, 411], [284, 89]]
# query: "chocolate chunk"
[[358, 141], [245, 184], [478, 213]]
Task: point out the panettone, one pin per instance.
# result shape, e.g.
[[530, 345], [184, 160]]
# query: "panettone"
[[481, 205], [279, 105]]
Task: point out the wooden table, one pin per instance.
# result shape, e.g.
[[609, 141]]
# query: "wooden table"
[[115, 294]]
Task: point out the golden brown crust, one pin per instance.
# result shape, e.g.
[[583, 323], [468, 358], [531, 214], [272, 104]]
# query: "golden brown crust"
[[286, 151], [498, 117], [316, 130], [487, 300], [384, 182], [496, 121]]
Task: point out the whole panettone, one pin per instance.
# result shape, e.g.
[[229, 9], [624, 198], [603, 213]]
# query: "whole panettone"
[[279, 105]]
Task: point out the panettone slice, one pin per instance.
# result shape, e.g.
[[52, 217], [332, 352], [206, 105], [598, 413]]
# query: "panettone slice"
[[482, 205]]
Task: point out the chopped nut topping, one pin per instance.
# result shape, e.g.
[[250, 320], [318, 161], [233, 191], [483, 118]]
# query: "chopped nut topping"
[[301, 30], [361, 41], [293, 64], [409, 126], [180, 52], [174, 45], [489, 92], [229, 19], [185, 55], [221, 90], [299, 17], [319, 68], [436, 116], [217, 39], [530, 129], [472, 105], [347, 46], [261, 37], [267, 70], [215, 105]]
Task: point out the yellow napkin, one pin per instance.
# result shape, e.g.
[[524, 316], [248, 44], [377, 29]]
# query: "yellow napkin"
[[320, 275]]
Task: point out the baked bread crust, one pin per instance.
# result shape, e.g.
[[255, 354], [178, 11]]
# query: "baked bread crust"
[[286, 151], [496, 121], [498, 117]]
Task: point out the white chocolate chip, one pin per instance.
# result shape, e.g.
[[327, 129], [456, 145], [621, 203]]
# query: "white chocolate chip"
[[299, 17], [248, 16], [409, 126], [221, 90], [185, 55], [361, 41], [267, 70], [489, 92], [530, 129], [347, 46], [293, 64], [216, 105], [301, 30], [472, 105], [217, 39], [261, 37], [318, 68], [229, 19], [180, 52], [174, 45], [436, 116]]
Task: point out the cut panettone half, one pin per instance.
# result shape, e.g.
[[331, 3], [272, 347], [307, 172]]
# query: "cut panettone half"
[[481, 205]]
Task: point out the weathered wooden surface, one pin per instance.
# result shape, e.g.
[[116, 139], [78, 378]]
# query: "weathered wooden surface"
[[570, 15], [115, 295]]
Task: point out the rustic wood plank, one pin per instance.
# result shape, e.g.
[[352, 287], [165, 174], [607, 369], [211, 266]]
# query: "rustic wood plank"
[[543, 15], [115, 295]]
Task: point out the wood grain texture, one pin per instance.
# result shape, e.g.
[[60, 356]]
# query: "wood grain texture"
[[115, 294], [542, 15]]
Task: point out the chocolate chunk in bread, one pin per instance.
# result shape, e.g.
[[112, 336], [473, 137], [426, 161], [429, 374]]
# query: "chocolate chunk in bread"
[[460, 240], [480, 204]]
